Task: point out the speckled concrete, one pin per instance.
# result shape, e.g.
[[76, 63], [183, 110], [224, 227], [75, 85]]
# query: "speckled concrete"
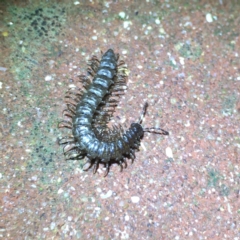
[[183, 58]]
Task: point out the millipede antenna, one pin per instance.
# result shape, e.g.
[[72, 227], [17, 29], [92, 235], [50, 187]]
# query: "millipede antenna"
[[150, 130]]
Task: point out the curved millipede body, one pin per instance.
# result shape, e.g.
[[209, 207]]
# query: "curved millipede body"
[[89, 111]]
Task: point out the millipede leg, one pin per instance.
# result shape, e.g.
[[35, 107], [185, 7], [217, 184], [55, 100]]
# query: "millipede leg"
[[107, 169], [87, 165], [95, 167]]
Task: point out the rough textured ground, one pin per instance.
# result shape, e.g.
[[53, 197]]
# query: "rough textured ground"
[[184, 59]]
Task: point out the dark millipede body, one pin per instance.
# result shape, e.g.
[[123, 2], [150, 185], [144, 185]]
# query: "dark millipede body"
[[90, 110]]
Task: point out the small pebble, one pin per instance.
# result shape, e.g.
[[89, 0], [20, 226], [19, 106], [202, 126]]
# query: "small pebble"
[[169, 153], [181, 59], [122, 15], [157, 21], [52, 225], [48, 78], [126, 24], [60, 191], [173, 101], [135, 199], [3, 69], [34, 178], [107, 195], [209, 17]]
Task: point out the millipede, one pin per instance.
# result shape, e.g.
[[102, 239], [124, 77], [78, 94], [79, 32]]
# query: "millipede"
[[89, 111]]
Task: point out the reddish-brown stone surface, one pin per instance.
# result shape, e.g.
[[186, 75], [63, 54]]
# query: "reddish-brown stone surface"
[[184, 59]]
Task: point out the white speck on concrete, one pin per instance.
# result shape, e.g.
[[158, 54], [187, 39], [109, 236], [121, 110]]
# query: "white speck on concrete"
[[34, 178], [71, 86], [229, 208], [122, 15], [48, 78], [173, 101], [157, 21], [162, 31], [187, 124], [181, 59], [20, 124], [94, 38], [60, 191], [169, 153], [135, 199], [52, 225], [3, 69], [173, 61], [143, 147], [126, 24], [107, 195], [209, 17]]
